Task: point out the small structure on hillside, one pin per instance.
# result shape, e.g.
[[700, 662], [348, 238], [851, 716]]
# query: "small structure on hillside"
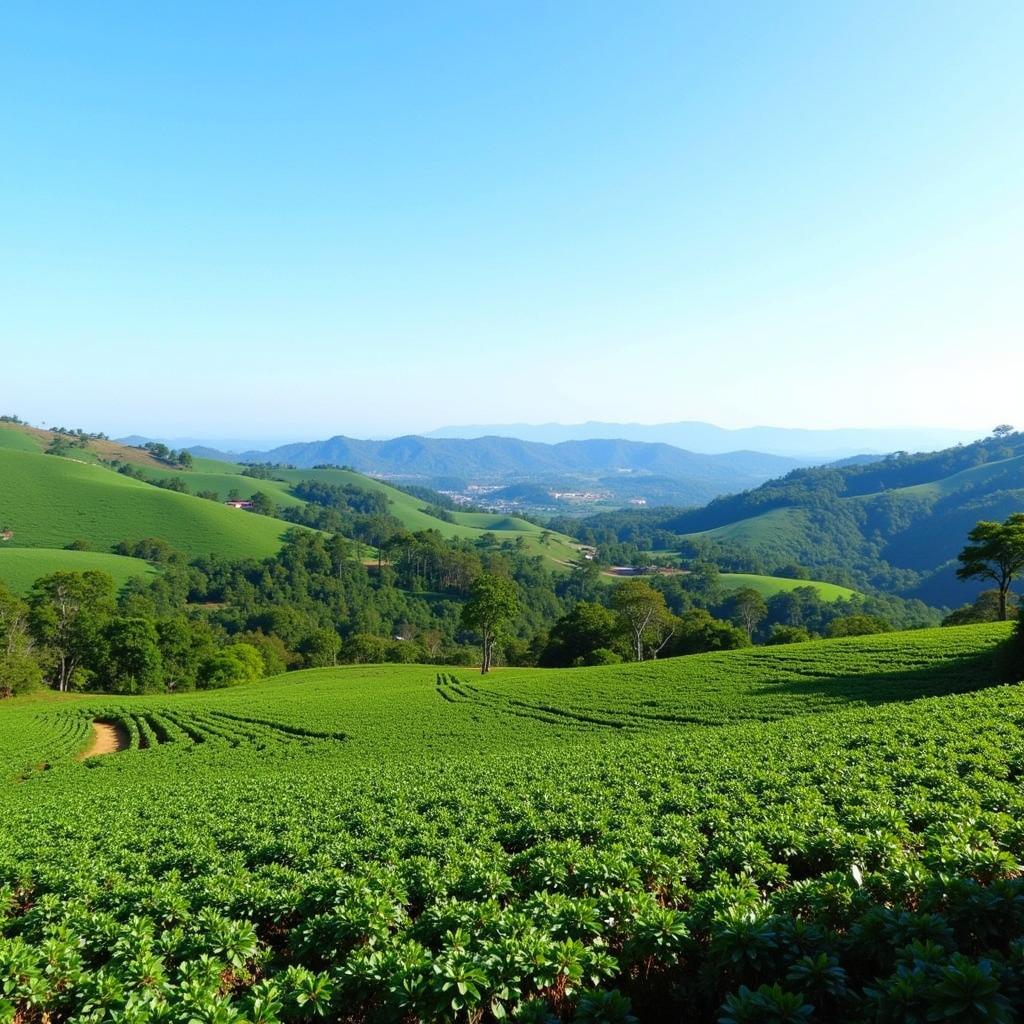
[[239, 504], [6, 534]]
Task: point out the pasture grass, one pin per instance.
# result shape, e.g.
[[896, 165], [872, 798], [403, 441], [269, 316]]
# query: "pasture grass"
[[21, 567]]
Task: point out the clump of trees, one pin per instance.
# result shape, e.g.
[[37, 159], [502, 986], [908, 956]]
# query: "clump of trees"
[[72, 634], [638, 625], [984, 608], [162, 453]]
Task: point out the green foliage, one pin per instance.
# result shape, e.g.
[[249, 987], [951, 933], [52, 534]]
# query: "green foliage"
[[19, 671], [492, 603], [995, 552], [858, 625], [230, 666], [578, 635], [68, 612], [697, 631], [787, 635], [828, 832], [321, 648], [986, 608], [643, 617], [133, 663]]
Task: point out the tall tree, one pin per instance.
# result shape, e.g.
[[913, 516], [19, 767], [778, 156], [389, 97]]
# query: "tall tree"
[[19, 670], [748, 609], [68, 611], [641, 611], [492, 604], [995, 552], [133, 663]]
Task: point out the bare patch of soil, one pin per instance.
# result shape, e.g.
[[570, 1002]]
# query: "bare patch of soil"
[[108, 738]]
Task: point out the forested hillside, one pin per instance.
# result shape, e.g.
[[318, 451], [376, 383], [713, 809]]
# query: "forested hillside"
[[894, 525]]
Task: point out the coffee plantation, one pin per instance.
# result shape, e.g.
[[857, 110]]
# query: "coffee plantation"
[[819, 832]]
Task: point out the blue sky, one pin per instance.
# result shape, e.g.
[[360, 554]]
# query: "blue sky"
[[271, 220]]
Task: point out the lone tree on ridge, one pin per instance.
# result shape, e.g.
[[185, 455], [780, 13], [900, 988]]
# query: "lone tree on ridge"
[[995, 552]]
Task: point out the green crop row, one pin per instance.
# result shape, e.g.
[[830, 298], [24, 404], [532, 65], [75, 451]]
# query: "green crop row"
[[827, 832]]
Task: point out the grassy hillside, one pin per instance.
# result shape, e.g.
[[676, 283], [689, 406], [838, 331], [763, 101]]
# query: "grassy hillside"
[[778, 528], [408, 510], [372, 837], [17, 438], [49, 501], [224, 478], [766, 586], [52, 500], [895, 525], [1000, 473], [20, 567]]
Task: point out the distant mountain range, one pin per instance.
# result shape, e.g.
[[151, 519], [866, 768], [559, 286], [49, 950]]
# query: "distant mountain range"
[[505, 460], [694, 436]]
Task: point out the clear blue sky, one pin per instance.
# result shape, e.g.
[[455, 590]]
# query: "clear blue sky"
[[294, 220]]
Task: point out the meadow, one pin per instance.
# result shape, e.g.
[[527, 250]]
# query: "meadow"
[[767, 586], [49, 502], [21, 567], [827, 831]]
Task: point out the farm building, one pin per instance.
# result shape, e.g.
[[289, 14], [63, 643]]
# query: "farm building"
[[239, 504]]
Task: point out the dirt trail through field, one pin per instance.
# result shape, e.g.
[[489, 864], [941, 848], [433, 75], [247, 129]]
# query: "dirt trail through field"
[[108, 738]]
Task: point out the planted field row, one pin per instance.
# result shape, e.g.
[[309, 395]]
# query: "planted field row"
[[480, 849]]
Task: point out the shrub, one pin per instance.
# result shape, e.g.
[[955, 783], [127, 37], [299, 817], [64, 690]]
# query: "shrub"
[[231, 666], [787, 635], [19, 673], [858, 625], [602, 656]]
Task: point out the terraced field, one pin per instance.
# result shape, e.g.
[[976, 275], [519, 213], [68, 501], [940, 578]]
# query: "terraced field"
[[710, 838]]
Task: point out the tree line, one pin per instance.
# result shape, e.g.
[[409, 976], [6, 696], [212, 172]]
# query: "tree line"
[[319, 601]]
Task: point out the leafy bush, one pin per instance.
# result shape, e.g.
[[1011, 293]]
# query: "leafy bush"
[[231, 666]]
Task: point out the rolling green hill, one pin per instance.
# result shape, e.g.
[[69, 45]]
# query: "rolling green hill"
[[223, 477], [20, 567], [16, 438], [409, 511], [371, 837], [766, 586], [49, 501]]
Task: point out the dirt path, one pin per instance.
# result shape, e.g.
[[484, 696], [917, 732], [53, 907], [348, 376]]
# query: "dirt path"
[[108, 738]]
